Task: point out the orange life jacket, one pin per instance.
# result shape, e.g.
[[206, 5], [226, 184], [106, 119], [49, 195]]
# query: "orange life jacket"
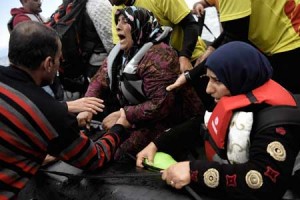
[[270, 93]]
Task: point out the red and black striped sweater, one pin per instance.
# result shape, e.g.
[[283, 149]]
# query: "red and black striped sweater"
[[33, 124]]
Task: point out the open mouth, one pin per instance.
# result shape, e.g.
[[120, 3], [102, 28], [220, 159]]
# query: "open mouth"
[[122, 37]]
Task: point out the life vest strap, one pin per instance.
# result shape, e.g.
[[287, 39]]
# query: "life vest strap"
[[221, 152], [135, 95], [278, 115]]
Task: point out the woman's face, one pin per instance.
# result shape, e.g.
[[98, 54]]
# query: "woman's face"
[[124, 33], [215, 88]]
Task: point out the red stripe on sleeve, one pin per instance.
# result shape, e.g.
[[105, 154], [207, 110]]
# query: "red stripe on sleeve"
[[30, 169], [7, 137], [23, 128], [92, 152], [73, 151], [2, 197], [29, 110], [11, 181]]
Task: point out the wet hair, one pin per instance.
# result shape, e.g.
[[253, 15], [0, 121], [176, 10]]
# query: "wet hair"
[[30, 43]]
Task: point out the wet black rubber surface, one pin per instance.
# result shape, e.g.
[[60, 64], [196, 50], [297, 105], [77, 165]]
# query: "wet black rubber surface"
[[126, 182]]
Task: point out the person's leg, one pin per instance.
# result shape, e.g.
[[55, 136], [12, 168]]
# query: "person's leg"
[[286, 67]]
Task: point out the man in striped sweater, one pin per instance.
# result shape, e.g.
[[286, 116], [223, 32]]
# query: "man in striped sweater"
[[32, 123]]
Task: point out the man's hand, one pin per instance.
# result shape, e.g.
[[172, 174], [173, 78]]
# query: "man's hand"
[[181, 80], [122, 119], [111, 120], [48, 160], [84, 119], [185, 64], [90, 104], [208, 51], [198, 9]]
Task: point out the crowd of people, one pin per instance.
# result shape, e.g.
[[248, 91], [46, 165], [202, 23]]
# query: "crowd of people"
[[160, 88]]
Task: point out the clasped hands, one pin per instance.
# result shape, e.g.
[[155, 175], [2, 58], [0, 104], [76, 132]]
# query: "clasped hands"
[[118, 117]]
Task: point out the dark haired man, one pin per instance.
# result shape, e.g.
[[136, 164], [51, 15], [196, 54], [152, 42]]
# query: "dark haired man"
[[32, 123], [29, 11]]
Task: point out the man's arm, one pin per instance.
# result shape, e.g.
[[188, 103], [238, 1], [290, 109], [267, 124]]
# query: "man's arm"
[[80, 151], [233, 30], [190, 30]]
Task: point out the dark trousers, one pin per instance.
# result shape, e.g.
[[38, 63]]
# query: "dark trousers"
[[286, 66]]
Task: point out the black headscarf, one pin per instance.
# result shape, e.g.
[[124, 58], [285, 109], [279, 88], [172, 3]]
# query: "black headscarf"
[[240, 67]]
